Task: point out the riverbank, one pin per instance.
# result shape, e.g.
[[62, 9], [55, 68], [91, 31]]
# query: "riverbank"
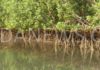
[[48, 34], [87, 42]]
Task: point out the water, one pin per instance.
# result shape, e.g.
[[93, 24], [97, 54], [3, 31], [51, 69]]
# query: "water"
[[29, 59]]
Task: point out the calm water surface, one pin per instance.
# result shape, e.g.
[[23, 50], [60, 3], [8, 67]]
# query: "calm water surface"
[[29, 59]]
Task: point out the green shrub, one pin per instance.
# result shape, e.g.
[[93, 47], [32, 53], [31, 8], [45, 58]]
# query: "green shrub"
[[60, 26], [95, 19], [25, 14]]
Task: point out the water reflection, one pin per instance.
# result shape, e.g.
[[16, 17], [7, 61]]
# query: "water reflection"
[[18, 58]]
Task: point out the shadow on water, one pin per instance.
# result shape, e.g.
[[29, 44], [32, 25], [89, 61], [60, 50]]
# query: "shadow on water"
[[15, 57]]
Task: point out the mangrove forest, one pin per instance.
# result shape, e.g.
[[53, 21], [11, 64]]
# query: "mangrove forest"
[[49, 34]]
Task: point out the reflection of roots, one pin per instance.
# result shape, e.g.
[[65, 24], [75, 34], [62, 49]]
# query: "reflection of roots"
[[97, 49], [85, 48], [88, 47], [66, 47], [91, 50], [56, 48], [61, 43]]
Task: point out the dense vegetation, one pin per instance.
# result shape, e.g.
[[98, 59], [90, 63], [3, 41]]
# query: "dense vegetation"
[[60, 14]]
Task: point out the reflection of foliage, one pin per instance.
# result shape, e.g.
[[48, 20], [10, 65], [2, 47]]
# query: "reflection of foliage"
[[25, 14]]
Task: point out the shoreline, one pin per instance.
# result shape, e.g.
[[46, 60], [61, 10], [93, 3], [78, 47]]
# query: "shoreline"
[[49, 34], [87, 42]]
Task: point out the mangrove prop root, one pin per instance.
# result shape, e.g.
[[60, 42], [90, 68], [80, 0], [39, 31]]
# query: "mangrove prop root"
[[86, 41]]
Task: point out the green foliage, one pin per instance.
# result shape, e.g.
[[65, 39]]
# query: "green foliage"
[[95, 19], [82, 7], [73, 26], [25, 14], [60, 26]]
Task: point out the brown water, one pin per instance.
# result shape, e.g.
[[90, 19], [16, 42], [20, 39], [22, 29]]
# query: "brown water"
[[18, 58]]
